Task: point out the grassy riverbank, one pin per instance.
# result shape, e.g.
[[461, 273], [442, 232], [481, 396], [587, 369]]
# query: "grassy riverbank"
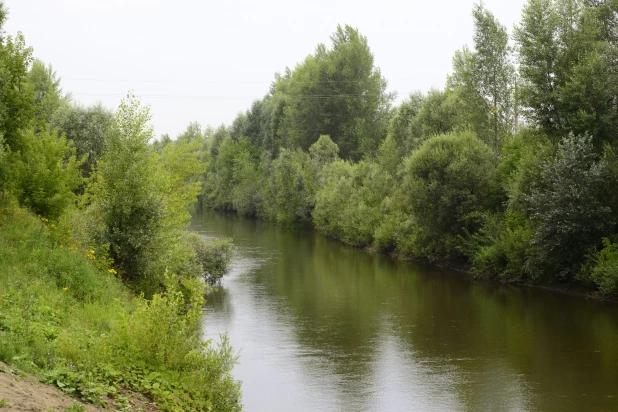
[[66, 318]]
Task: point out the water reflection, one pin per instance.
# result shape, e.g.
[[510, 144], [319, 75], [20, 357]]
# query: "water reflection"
[[321, 326]]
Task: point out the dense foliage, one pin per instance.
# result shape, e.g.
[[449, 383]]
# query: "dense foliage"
[[101, 286], [510, 170]]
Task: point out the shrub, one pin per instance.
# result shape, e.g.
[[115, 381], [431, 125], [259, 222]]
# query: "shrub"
[[449, 184], [46, 172], [571, 209], [211, 258], [501, 247], [605, 268]]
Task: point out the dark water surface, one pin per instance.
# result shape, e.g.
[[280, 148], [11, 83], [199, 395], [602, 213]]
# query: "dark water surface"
[[325, 327]]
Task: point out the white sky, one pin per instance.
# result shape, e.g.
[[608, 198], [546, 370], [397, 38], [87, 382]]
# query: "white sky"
[[206, 61]]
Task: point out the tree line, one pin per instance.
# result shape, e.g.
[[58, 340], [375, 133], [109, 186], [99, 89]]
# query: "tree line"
[[510, 170]]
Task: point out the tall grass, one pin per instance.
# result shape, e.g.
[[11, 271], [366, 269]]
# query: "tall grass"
[[67, 318]]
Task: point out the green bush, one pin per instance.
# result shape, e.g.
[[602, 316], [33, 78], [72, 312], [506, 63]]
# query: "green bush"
[[449, 182], [46, 172], [501, 248], [293, 188], [350, 201], [211, 258], [605, 268], [571, 210]]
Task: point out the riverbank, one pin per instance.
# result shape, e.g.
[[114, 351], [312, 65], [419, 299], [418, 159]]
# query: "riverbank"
[[574, 288], [568, 288], [69, 321]]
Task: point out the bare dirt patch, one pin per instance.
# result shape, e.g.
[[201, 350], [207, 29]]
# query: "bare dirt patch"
[[20, 393], [24, 393]]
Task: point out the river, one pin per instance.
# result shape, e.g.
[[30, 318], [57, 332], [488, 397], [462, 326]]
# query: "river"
[[320, 326]]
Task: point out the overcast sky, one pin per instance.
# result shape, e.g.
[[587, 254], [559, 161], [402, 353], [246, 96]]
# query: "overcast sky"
[[206, 61]]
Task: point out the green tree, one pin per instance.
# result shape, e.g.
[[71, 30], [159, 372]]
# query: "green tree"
[[192, 133], [449, 182], [438, 115], [47, 92], [464, 98], [46, 171], [293, 185], [87, 128], [337, 92], [402, 127], [16, 94], [567, 56], [572, 208], [131, 193], [495, 72], [217, 137], [483, 81], [324, 151], [537, 56]]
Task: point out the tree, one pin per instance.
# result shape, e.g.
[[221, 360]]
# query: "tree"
[[449, 183], [192, 133], [131, 193], [439, 114], [538, 55], [324, 151], [47, 92], [16, 94], [483, 80], [336, 92], [495, 72], [402, 125], [572, 209], [46, 171], [293, 185], [87, 128], [217, 137], [567, 56]]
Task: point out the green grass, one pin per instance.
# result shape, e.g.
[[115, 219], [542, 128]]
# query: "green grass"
[[65, 318]]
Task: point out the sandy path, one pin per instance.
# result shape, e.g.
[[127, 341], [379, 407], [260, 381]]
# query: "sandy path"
[[26, 394]]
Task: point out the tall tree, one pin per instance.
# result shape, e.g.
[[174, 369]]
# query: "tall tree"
[[47, 92], [87, 127], [336, 92], [494, 71], [483, 80], [16, 95], [569, 66]]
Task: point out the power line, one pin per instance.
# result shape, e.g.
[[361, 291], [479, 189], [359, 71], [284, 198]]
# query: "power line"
[[171, 96], [226, 81]]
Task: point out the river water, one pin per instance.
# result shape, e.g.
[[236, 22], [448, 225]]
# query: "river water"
[[320, 326]]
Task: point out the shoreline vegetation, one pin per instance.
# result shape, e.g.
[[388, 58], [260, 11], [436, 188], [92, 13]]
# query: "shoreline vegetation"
[[101, 286], [510, 170]]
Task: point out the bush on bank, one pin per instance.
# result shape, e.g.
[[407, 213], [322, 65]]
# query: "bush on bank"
[[75, 324]]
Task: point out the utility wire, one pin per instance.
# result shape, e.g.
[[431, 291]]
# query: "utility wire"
[[170, 96], [225, 81]]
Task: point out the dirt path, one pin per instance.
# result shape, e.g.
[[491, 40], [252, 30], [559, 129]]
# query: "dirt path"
[[20, 393], [24, 393]]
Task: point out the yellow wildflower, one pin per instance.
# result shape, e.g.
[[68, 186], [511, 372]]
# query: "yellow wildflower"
[[113, 271], [65, 288]]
